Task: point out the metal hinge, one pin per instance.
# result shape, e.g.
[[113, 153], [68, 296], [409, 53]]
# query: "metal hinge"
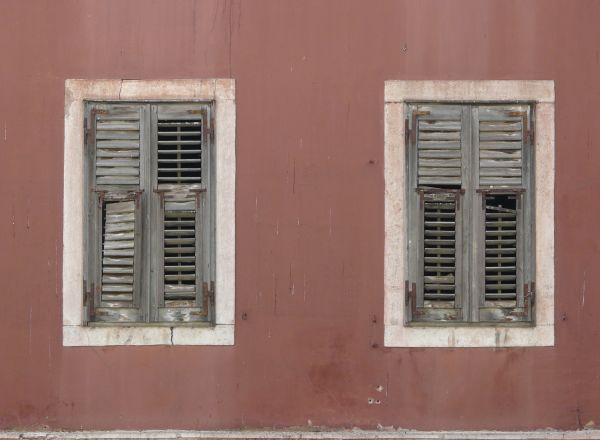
[[409, 292], [88, 302], [531, 294], [208, 297]]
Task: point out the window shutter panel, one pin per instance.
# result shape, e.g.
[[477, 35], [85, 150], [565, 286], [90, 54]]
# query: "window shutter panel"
[[502, 133], [503, 267], [435, 157], [117, 135], [182, 135], [114, 217]]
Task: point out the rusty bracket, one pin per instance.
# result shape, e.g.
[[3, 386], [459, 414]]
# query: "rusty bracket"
[[90, 129], [161, 195], [528, 299], [410, 297], [138, 196], [197, 193], [101, 194], [527, 133], [89, 302], [208, 297], [413, 130]]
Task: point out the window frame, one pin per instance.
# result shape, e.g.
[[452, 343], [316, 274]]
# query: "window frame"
[[219, 92], [398, 332], [470, 303]]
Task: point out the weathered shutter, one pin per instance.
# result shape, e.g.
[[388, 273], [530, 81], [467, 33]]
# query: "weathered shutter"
[[503, 269], [117, 135], [435, 158], [182, 134], [114, 217]]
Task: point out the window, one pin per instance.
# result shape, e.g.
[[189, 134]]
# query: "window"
[[470, 197], [149, 212], [469, 213], [150, 222]]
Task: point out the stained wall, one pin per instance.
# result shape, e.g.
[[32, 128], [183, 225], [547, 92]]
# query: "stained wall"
[[309, 214]]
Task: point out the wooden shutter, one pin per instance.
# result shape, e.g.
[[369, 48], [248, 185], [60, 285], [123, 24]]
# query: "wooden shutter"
[[502, 131], [183, 184], [436, 254], [116, 129], [114, 220], [502, 265], [437, 133]]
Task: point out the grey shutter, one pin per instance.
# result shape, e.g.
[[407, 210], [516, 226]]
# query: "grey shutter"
[[436, 186], [183, 255], [114, 220], [117, 134], [502, 265]]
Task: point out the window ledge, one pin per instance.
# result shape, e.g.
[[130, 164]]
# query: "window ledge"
[[75, 335], [399, 334]]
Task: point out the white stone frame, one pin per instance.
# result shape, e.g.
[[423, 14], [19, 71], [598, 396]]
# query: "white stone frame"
[[222, 93], [397, 94]]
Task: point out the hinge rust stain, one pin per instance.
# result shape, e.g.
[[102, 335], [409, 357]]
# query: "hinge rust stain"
[[413, 131], [527, 133], [208, 297]]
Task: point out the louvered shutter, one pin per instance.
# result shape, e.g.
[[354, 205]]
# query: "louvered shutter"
[[114, 217], [183, 184], [435, 157], [503, 268]]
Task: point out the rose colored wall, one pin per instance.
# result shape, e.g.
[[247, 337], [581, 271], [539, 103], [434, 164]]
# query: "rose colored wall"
[[310, 235]]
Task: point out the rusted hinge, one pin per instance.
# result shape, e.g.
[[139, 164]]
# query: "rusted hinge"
[[208, 297], [528, 300], [410, 295], [88, 299], [413, 130], [527, 133], [90, 126], [197, 193], [161, 195], [531, 295]]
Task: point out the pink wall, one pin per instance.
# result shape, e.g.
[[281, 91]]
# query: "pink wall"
[[309, 220]]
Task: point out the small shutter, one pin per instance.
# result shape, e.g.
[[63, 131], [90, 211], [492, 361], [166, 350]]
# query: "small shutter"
[[183, 183], [114, 217], [501, 137], [180, 135], [435, 157], [504, 185], [439, 292], [438, 138], [117, 134]]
